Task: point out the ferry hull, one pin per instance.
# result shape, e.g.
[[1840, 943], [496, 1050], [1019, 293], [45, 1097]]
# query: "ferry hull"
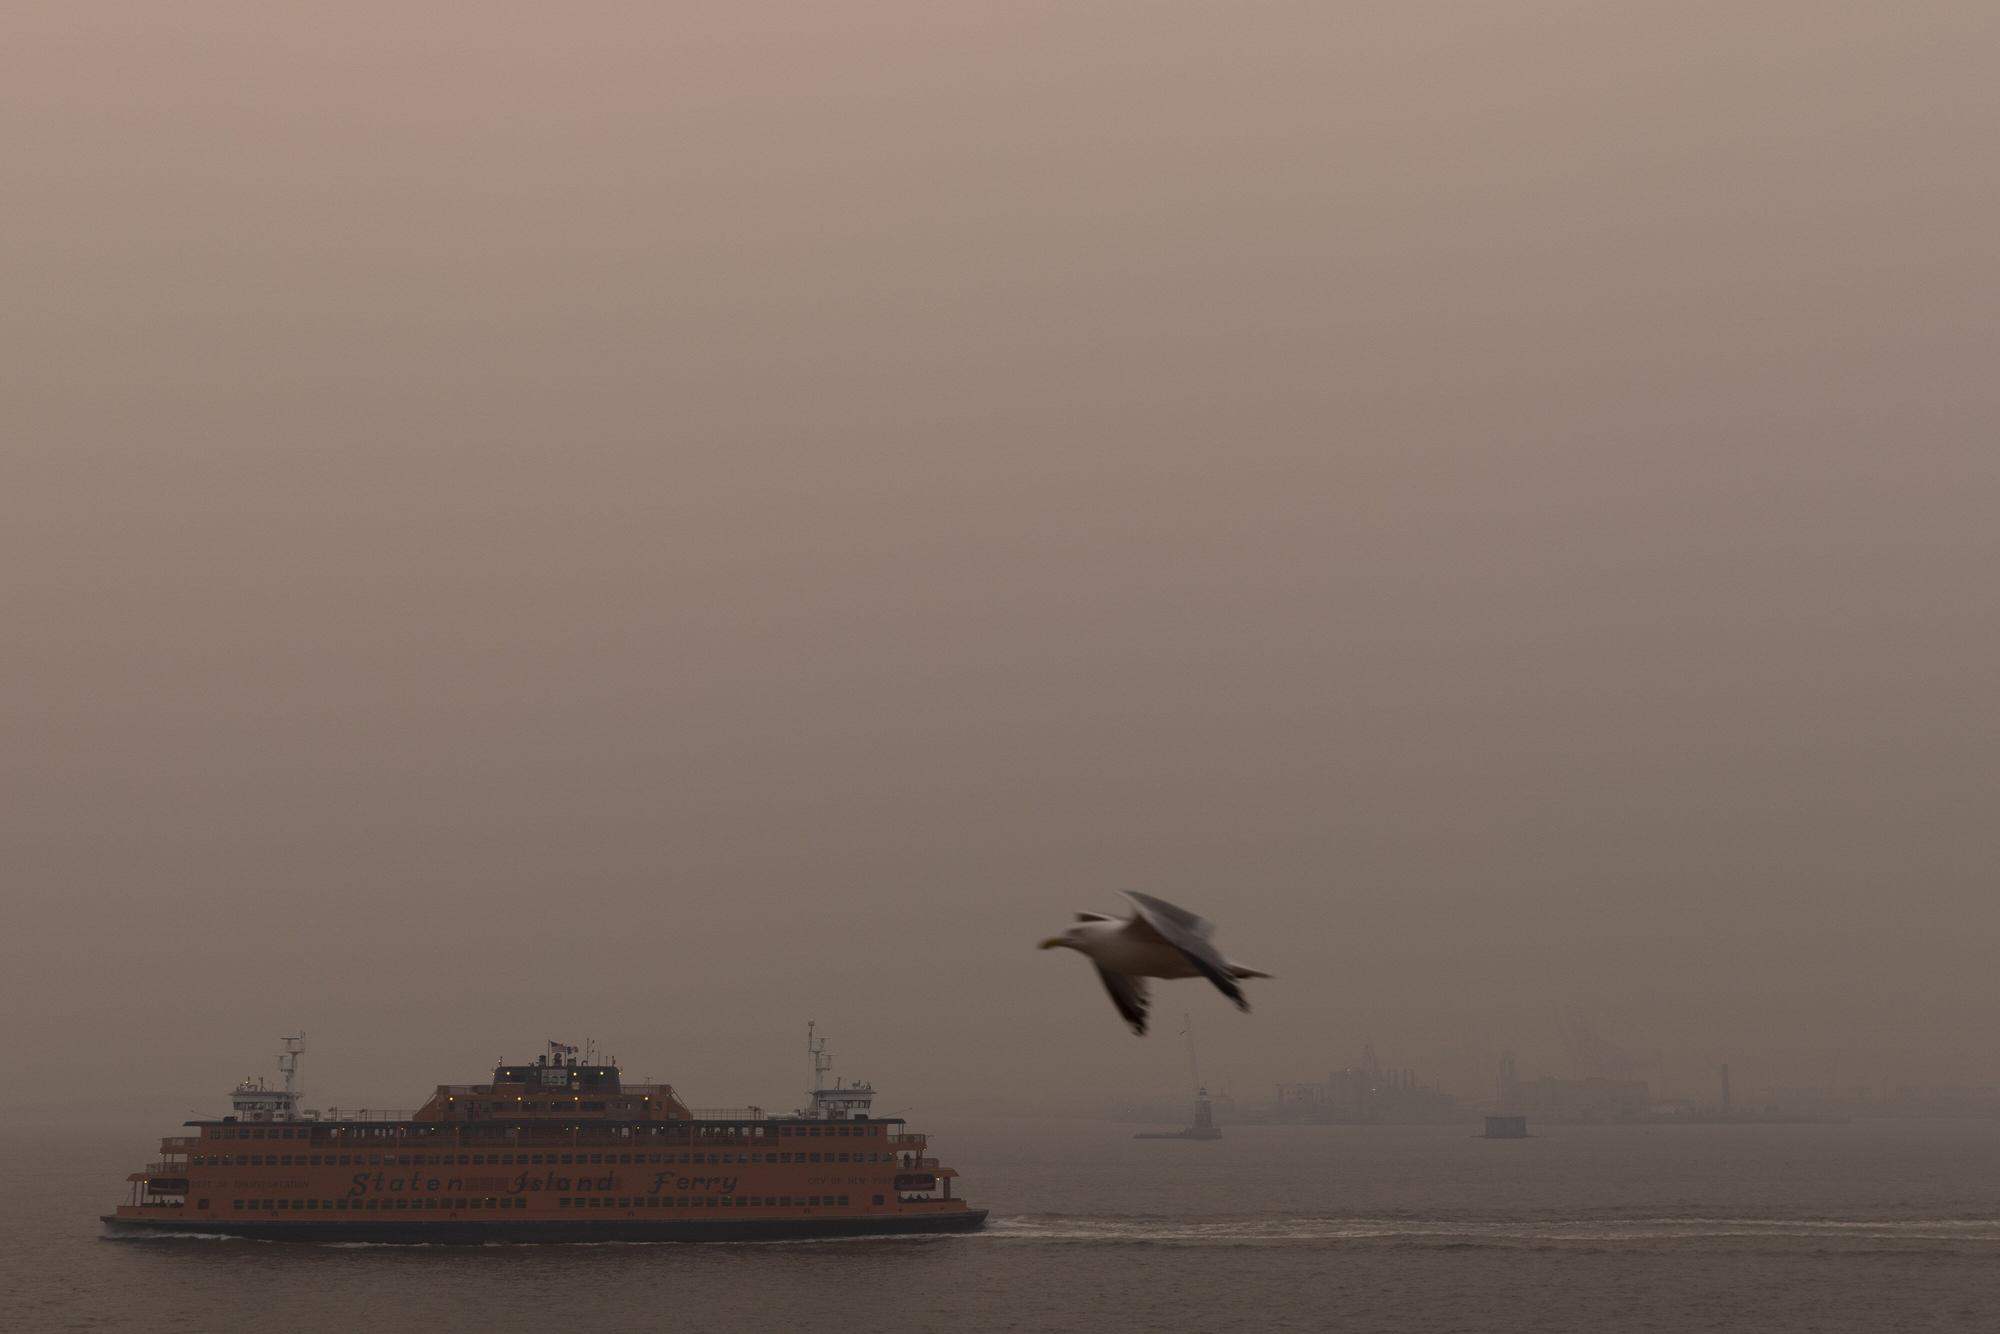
[[538, 1232]]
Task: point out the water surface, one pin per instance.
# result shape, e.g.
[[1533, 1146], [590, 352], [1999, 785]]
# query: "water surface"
[[1866, 1227]]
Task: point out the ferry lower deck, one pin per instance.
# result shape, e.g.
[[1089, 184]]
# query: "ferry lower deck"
[[551, 1150], [482, 1181]]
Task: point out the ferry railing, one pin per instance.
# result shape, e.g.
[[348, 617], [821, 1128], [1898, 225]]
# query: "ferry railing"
[[178, 1144], [727, 1113], [166, 1169], [364, 1114], [909, 1139], [918, 1165]]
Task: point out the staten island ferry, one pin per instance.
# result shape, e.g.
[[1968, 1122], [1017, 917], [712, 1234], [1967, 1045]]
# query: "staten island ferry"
[[559, 1149]]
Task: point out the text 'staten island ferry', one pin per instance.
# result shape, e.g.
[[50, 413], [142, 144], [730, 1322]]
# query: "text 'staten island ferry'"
[[551, 1151]]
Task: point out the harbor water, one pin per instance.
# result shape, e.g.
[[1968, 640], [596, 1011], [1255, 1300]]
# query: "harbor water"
[[1870, 1226]]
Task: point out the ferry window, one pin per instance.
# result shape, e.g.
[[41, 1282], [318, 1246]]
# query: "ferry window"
[[878, 1199], [812, 1199], [562, 1204], [566, 1158], [312, 1204], [812, 1157], [843, 1199], [843, 1157], [340, 1204], [270, 1204], [463, 1158], [596, 1157], [346, 1160], [478, 1160], [507, 1159], [236, 1204], [625, 1202], [814, 1132], [313, 1161], [402, 1204]]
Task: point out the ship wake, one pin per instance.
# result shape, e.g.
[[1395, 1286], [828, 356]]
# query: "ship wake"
[[1584, 1231]]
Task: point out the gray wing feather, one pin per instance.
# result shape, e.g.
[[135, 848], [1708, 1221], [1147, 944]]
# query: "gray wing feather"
[[1188, 933], [1128, 994]]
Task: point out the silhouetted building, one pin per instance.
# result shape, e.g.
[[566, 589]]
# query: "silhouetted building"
[[1365, 1093], [1594, 1099]]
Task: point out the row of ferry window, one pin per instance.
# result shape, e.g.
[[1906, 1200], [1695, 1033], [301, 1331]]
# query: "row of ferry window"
[[512, 1202], [680, 1131], [697, 1201], [566, 1202], [516, 1159]]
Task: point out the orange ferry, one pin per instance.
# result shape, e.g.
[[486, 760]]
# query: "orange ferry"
[[552, 1151]]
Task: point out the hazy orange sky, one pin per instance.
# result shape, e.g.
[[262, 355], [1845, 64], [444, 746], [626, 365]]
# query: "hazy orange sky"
[[661, 522]]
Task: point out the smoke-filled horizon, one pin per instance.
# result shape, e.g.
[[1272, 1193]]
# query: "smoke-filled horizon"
[[660, 523]]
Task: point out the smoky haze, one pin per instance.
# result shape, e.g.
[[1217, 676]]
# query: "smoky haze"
[[663, 522]]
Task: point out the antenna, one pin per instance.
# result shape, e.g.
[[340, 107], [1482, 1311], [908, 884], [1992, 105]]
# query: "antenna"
[[288, 1064], [816, 1053]]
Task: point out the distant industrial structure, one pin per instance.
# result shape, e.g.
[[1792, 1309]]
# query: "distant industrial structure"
[[1597, 1098], [1368, 1093], [1905, 1102], [1373, 1093]]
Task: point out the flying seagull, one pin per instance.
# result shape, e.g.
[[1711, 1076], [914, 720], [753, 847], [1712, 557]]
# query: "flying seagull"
[[1157, 940]]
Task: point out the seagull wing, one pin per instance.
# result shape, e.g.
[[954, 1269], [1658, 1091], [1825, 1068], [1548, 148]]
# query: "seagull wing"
[[1128, 994], [1188, 933]]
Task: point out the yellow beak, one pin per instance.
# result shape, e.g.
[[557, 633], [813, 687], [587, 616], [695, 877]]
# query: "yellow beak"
[[1053, 942]]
